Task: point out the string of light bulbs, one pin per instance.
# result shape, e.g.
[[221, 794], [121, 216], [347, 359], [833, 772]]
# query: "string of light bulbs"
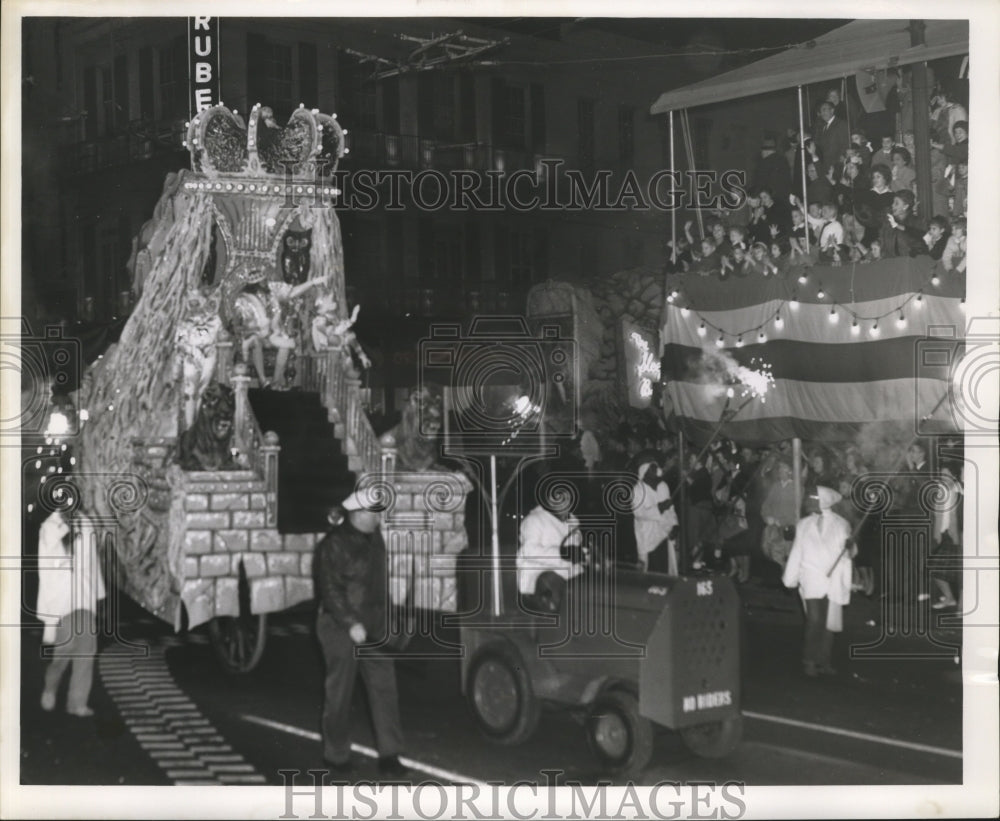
[[792, 304]]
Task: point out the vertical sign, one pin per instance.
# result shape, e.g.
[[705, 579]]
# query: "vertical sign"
[[641, 363], [203, 58]]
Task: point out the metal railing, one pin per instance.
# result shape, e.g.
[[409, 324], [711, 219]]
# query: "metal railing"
[[142, 141]]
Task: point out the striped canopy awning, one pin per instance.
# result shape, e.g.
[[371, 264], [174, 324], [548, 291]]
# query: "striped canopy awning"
[[847, 346]]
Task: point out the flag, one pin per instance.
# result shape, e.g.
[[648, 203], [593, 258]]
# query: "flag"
[[847, 347]]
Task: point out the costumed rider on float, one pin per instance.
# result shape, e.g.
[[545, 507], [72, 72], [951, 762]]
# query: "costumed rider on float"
[[551, 552]]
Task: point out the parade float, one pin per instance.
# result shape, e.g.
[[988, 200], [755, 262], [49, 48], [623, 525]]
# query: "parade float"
[[229, 416]]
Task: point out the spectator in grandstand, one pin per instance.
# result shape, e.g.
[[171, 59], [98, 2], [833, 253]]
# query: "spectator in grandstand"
[[884, 155], [758, 261], [853, 181], [707, 262], [680, 262], [860, 144], [902, 234], [776, 215], [945, 113], [771, 171], [936, 238], [812, 158], [957, 151], [832, 234], [818, 189], [904, 178], [844, 107], [832, 137], [781, 255], [953, 256], [881, 189], [960, 194], [797, 236], [738, 237], [757, 230], [719, 235]]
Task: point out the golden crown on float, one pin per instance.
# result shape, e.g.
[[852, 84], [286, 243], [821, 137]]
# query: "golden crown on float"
[[226, 151]]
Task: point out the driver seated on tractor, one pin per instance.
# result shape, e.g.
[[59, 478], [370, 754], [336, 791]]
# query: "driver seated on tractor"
[[549, 554]]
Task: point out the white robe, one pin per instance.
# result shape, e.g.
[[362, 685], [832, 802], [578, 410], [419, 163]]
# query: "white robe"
[[541, 535], [66, 582], [818, 548], [652, 525]]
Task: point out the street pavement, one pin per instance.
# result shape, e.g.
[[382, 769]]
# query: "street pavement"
[[166, 713]]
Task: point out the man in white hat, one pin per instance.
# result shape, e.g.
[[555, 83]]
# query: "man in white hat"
[[654, 514], [352, 587], [820, 566]]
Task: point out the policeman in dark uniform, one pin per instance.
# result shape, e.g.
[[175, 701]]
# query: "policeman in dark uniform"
[[352, 587]]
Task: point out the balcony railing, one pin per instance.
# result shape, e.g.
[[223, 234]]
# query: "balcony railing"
[[143, 141], [376, 149]]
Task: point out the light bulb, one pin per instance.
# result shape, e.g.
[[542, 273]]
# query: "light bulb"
[[901, 321], [779, 323], [803, 279], [762, 337], [739, 342], [834, 316], [920, 300], [670, 298], [720, 342], [961, 305], [935, 280], [855, 328], [685, 312], [874, 331], [794, 304], [701, 329], [821, 294]]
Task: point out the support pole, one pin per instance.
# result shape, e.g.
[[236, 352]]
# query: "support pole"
[[797, 474], [921, 126], [495, 542], [673, 211], [802, 153], [682, 553]]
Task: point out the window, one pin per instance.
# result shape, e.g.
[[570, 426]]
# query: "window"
[[626, 134], [278, 79], [515, 119], [362, 251], [585, 131], [146, 84], [356, 93], [107, 101], [173, 81], [444, 107]]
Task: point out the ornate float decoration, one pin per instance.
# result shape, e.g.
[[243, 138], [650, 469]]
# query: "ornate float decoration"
[[240, 283]]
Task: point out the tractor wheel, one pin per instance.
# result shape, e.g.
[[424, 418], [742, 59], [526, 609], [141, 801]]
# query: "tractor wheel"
[[501, 696], [715, 740], [620, 738], [238, 641]]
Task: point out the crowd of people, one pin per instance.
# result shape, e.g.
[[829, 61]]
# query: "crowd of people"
[[860, 199], [734, 507]]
